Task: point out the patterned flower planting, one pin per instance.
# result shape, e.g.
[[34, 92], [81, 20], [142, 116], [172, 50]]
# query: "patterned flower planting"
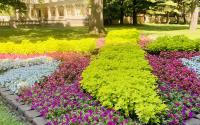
[[169, 69], [57, 94], [61, 100], [179, 86], [18, 73]]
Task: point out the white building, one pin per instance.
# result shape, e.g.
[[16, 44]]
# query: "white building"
[[69, 12], [4, 18]]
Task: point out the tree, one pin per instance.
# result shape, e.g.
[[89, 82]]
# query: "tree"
[[96, 25], [195, 15], [138, 6], [114, 9], [16, 4], [182, 8], [169, 6]]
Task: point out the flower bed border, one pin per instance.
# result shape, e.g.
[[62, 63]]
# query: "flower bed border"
[[25, 112]]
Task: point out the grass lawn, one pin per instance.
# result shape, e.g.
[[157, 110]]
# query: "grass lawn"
[[7, 117], [43, 33], [163, 29]]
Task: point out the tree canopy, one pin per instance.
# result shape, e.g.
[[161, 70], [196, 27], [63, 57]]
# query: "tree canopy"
[[16, 4]]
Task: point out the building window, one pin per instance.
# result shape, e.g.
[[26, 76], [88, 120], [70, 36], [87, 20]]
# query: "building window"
[[70, 10], [53, 11], [78, 10]]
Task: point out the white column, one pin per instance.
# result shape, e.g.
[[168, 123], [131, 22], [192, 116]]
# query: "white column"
[[29, 13], [65, 16], [65, 12], [49, 13], [57, 14]]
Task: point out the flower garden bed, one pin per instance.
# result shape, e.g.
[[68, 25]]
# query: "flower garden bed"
[[116, 86]]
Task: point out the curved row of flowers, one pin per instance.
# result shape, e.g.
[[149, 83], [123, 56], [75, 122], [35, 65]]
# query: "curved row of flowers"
[[179, 84], [61, 100]]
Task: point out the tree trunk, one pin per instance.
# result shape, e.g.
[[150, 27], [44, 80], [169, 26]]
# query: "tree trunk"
[[121, 16], [184, 18], [96, 25], [167, 20], [121, 12], [195, 15], [177, 19], [134, 16]]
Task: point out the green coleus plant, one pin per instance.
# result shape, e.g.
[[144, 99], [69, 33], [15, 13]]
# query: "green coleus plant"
[[121, 78]]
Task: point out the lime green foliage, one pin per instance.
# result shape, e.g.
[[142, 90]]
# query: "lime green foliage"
[[174, 43], [50, 45], [122, 36], [45, 39], [6, 117], [121, 78]]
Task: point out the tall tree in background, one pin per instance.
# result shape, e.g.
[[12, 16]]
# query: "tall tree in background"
[[122, 13], [114, 10], [96, 24], [18, 7], [183, 6], [16, 4], [195, 15], [169, 7], [139, 6]]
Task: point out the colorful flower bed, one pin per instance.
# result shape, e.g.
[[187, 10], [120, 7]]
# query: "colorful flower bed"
[[179, 86], [61, 99], [116, 87]]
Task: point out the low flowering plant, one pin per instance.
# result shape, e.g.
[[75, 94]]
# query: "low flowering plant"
[[178, 85], [61, 100]]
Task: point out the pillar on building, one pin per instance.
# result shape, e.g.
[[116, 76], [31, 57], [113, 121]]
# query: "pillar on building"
[[65, 11], [65, 16], [29, 13], [57, 13], [49, 13]]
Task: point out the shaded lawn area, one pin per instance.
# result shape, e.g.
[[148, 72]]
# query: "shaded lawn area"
[[163, 29], [7, 117], [37, 33]]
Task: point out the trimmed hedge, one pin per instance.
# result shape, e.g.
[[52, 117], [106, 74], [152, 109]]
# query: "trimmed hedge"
[[50, 45], [173, 43], [121, 78], [122, 36]]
